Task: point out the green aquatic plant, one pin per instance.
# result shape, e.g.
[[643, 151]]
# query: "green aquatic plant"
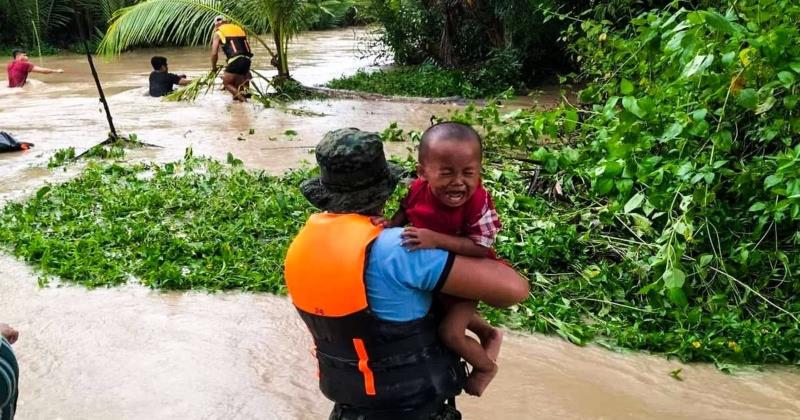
[[189, 224], [61, 157]]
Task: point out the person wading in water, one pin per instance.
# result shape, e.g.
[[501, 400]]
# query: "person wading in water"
[[233, 40], [19, 69], [161, 80], [367, 301]]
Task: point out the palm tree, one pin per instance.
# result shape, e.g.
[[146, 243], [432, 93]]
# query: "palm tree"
[[189, 22]]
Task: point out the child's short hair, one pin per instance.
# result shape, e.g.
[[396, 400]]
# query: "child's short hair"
[[157, 62], [449, 130], [16, 52]]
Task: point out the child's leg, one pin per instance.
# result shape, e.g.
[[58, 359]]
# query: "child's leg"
[[460, 313], [491, 337]]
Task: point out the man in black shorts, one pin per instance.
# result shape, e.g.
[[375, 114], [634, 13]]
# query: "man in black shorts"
[[161, 80], [233, 40]]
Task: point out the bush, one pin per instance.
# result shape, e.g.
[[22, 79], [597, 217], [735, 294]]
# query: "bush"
[[681, 167], [491, 78]]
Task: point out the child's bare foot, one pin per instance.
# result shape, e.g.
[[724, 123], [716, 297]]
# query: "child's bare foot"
[[478, 380], [491, 343]]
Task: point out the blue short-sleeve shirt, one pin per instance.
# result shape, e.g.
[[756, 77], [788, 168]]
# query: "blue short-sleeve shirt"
[[400, 283]]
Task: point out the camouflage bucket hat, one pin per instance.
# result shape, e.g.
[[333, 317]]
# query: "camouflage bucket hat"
[[354, 175]]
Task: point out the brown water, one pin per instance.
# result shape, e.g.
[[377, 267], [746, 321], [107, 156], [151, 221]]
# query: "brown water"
[[132, 353]]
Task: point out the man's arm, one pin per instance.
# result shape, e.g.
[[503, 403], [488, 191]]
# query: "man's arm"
[[214, 51], [485, 280], [179, 80], [399, 219], [45, 70]]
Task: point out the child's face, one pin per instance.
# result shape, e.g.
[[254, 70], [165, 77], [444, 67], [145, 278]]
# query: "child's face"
[[452, 169]]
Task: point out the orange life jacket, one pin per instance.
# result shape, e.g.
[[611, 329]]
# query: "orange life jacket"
[[363, 361], [234, 40]]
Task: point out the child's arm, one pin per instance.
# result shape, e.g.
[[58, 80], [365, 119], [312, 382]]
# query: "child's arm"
[[398, 220], [415, 238]]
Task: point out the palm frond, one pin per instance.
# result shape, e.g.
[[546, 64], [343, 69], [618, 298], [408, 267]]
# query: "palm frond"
[[163, 21], [190, 92], [158, 22]]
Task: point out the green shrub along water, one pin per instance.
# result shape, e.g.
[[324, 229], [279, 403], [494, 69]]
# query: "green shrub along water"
[[428, 80], [682, 178], [464, 34], [661, 213]]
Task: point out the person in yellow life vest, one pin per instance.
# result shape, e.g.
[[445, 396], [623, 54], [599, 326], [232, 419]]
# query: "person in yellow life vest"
[[233, 41], [368, 302]]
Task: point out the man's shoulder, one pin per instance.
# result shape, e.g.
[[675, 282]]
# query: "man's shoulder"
[[388, 240], [389, 261], [389, 246]]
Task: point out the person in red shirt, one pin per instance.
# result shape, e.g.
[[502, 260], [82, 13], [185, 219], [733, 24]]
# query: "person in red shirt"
[[449, 209], [20, 67]]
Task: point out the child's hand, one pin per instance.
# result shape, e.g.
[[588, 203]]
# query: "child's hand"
[[415, 238], [380, 221]]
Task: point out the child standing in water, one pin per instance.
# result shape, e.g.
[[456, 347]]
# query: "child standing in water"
[[449, 209]]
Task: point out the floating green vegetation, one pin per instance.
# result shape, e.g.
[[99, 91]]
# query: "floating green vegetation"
[[110, 149], [190, 224], [61, 157]]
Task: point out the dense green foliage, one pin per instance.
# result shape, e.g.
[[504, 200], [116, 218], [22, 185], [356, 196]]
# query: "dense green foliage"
[[46, 24], [429, 80], [462, 33], [682, 173]]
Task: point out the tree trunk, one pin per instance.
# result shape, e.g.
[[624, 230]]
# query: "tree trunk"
[[450, 11], [495, 33], [279, 61]]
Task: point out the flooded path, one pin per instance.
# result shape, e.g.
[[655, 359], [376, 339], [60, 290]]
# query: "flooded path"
[[133, 353]]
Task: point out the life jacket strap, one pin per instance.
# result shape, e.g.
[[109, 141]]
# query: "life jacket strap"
[[363, 366]]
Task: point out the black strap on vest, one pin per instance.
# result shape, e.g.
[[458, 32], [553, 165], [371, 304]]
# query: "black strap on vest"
[[377, 352]]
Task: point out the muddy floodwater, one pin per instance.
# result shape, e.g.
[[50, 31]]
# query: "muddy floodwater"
[[134, 353]]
